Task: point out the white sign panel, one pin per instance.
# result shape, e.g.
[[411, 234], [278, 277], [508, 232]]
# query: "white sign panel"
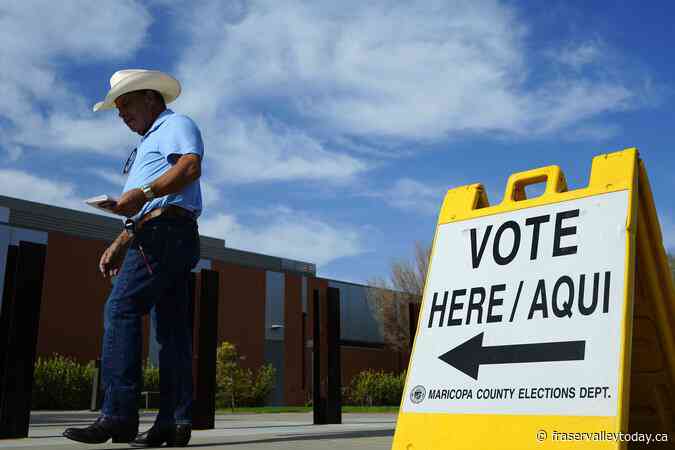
[[522, 313]]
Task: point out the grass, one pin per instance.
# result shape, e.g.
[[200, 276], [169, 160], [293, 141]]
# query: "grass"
[[288, 409], [301, 409], [370, 409], [264, 409], [298, 409]]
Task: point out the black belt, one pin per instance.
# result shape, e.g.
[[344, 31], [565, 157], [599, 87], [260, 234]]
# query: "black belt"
[[170, 211]]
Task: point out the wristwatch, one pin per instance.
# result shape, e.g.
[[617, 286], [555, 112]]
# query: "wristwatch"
[[147, 190]]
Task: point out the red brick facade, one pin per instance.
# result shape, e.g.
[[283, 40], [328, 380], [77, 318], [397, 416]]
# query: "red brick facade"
[[74, 294]]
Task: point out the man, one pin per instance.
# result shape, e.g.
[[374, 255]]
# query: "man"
[[152, 259]]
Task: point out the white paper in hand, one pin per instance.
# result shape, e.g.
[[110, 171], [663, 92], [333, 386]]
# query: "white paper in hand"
[[102, 202]]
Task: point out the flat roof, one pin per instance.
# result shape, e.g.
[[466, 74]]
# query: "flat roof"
[[43, 217]]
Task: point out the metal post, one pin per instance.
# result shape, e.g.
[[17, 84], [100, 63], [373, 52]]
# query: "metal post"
[[205, 402], [23, 323], [6, 313], [319, 403], [334, 392], [96, 397]]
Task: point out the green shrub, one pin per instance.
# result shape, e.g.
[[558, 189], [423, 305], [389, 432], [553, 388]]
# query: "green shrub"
[[371, 388], [60, 382], [263, 384], [150, 378], [237, 386]]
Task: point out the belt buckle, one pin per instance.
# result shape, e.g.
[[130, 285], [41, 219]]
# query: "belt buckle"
[[130, 226]]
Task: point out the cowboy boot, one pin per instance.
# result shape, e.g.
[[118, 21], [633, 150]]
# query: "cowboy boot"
[[173, 435], [103, 429]]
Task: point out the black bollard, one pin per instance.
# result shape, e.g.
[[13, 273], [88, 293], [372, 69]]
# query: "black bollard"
[[96, 398], [6, 312], [318, 402], [334, 391], [204, 410], [21, 302]]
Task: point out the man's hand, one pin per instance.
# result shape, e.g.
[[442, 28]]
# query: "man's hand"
[[130, 203], [112, 258], [184, 171]]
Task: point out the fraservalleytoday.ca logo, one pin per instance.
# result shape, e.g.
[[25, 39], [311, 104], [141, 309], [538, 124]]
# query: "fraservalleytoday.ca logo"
[[606, 436]]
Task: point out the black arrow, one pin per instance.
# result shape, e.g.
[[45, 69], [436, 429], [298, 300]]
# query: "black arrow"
[[468, 357]]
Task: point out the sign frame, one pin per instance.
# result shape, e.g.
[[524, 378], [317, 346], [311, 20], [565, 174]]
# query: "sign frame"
[[612, 172]]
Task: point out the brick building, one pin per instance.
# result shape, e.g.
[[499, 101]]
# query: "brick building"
[[264, 301]]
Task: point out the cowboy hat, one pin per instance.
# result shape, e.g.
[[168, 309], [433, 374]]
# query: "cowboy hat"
[[124, 81]]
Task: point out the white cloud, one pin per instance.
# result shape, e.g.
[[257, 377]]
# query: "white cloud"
[[114, 178], [110, 30], [384, 68], [39, 106], [381, 70], [592, 132], [210, 194], [252, 149], [296, 92], [22, 185], [285, 232], [581, 54], [412, 195], [571, 102], [105, 134]]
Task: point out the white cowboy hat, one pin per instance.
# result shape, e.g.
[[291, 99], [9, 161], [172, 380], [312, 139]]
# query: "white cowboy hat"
[[124, 81]]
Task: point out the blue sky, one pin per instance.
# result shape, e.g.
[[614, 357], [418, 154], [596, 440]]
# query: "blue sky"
[[333, 129]]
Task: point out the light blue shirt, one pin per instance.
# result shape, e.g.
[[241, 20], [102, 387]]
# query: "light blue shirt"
[[170, 136]]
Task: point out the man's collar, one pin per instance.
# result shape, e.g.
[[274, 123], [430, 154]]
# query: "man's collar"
[[158, 121]]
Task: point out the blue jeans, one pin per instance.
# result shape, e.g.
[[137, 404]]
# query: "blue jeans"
[[171, 248]]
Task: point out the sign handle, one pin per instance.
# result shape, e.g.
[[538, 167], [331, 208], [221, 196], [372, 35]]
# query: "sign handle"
[[551, 175]]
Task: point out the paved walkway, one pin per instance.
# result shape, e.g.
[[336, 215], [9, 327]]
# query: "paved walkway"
[[233, 431]]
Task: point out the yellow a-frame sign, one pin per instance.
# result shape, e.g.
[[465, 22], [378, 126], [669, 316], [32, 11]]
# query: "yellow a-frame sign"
[[546, 322]]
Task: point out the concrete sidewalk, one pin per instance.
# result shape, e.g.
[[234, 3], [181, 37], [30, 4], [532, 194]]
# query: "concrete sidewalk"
[[233, 431]]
